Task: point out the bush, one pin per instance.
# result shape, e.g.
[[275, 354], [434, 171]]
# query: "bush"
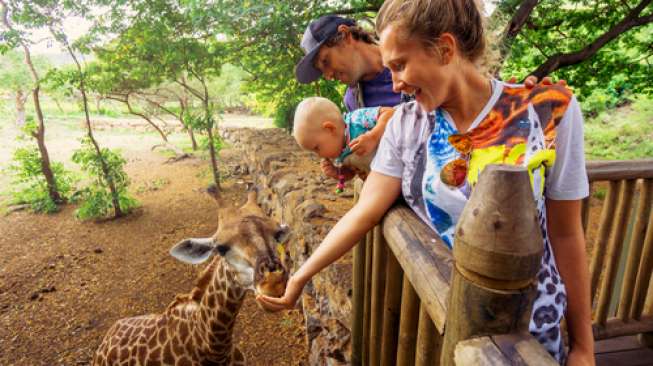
[[31, 187], [96, 199]]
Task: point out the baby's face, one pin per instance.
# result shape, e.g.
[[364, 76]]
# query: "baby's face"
[[325, 143]]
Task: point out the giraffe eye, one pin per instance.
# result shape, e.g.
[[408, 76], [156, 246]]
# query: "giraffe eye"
[[282, 233], [222, 249]]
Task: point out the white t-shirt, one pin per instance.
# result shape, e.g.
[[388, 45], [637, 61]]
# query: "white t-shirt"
[[539, 128]]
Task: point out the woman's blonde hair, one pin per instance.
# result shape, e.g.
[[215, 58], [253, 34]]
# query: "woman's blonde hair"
[[428, 19]]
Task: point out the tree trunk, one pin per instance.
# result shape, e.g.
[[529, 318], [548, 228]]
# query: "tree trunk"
[[40, 132], [45, 157], [191, 134], [58, 104], [20, 108], [105, 168], [209, 132]]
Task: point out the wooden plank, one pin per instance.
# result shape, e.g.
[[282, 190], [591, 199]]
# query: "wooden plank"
[[479, 351], [624, 343], [429, 340], [626, 189], [358, 292], [391, 311], [619, 169], [426, 260], [585, 211], [642, 282], [601, 243], [638, 357], [615, 327], [408, 324], [367, 297], [636, 245], [523, 349], [377, 297]]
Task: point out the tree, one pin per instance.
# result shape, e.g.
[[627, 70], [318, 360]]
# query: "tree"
[[10, 38], [174, 44], [15, 77], [595, 43]]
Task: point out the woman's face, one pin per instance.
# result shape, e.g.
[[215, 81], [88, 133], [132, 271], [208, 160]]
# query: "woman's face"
[[416, 69]]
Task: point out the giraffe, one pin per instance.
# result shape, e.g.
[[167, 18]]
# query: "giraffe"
[[196, 328]]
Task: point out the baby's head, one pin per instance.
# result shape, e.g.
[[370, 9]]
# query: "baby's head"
[[319, 127]]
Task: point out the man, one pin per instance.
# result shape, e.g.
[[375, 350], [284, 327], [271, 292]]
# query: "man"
[[337, 48]]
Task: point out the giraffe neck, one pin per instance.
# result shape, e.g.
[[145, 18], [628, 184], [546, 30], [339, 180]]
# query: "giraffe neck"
[[217, 314]]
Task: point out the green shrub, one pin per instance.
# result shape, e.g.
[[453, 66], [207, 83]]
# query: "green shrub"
[[29, 181], [96, 198]]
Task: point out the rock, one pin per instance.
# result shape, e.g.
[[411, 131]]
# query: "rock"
[[292, 195], [310, 209], [98, 250]]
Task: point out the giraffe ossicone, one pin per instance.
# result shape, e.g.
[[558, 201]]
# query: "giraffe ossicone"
[[196, 328]]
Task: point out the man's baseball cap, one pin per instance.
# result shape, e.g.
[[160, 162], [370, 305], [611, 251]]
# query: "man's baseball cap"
[[318, 32]]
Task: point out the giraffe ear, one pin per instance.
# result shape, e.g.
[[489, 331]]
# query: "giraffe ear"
[[193, 251]]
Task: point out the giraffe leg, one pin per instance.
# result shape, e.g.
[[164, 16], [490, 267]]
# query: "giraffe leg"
[[238, 359]]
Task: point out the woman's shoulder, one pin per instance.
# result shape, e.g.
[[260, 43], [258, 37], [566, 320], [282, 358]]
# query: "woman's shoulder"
[[407, 122], [539, 94]]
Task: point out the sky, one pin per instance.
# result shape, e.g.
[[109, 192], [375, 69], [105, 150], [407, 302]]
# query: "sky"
[[76, 27]]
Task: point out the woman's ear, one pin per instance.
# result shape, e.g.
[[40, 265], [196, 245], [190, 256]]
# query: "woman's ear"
[[447, 46]]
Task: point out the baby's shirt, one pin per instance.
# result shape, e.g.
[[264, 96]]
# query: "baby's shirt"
[[357, 123]]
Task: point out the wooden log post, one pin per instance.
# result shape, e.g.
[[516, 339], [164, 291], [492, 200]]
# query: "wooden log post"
[[497, 252], [358, 293]]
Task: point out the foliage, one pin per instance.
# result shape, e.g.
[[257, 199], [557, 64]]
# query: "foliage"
[[554, 27], [263, 39], [14, 74], [28, 181], [624, 133], [96, 198]]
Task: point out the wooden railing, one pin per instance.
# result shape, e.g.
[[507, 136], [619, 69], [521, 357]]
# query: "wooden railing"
[[403, 278], [622, 247]]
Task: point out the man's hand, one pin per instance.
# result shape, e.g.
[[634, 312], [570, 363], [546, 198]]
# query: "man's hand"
[[531, 81], [332, 172], [364, 144]]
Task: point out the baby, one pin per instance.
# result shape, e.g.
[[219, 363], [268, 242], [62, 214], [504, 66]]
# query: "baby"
[[349, 140]]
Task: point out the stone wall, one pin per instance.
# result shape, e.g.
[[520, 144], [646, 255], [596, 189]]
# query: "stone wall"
[[293, 190]]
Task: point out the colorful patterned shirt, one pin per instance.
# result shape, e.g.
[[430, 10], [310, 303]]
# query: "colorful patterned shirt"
[[357, 123], [539, 128]]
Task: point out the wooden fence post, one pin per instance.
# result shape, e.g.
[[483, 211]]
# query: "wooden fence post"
[[497, 252]]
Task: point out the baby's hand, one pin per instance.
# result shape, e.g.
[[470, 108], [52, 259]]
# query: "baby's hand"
[[332, 172], [364, 144]]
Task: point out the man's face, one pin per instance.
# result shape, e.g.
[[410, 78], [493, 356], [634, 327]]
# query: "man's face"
[[341, 62]]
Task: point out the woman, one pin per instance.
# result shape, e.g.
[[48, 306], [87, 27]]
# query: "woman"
[[435, 148]]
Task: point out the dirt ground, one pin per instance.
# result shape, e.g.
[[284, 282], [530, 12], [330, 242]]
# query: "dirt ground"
[[63, 282]]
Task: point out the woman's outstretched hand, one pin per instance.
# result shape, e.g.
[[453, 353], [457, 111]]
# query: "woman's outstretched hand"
[[287, 301]]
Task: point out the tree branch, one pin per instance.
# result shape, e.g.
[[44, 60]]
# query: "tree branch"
[[561, 60], [515, 26], [363, 9]]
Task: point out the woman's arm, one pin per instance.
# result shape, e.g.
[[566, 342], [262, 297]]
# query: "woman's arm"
[[378, 194], [568, 242]]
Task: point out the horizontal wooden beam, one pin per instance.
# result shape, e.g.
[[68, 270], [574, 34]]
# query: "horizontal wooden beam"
[[619, 169], [505, 349], [426, 260], [615, 327]]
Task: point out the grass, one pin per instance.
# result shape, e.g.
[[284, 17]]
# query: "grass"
[[621, 134]]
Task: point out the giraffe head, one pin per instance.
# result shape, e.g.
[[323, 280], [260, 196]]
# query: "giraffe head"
[[247, 239]]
